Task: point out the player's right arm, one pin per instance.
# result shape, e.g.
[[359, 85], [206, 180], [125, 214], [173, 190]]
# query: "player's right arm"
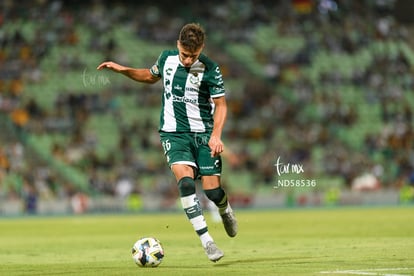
[[137, 74]]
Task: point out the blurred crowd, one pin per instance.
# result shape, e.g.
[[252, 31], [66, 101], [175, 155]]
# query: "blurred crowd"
[[282, 108]]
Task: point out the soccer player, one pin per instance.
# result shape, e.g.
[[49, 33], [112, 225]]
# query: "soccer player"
[[192, 118]]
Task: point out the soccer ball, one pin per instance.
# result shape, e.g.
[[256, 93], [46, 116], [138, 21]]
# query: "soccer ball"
[[147, 252]]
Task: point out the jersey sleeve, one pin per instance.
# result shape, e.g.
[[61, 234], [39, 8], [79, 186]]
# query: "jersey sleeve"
[[156, 68], [155, 71], [216, 83]]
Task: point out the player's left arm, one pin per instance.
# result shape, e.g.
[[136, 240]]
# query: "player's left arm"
[[220, 113]]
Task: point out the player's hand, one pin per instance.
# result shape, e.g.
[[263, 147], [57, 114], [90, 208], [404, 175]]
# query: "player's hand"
[[216, 146], [110, 65]]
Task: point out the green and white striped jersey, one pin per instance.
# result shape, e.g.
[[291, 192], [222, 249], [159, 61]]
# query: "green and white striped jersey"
[[187, 104]]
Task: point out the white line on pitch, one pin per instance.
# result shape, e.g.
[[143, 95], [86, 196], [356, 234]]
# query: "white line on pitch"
[[372, 271]]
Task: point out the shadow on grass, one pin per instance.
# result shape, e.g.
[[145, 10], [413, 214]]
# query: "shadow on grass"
[[280, 260], [275, 260]]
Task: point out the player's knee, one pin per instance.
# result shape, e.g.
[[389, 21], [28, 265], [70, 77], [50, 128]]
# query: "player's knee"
[[216, 195], [186, 186]]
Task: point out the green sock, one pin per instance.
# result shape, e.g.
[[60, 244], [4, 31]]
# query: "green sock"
[[219, 197]]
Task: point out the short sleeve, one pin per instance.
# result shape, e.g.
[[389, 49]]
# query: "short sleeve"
[[216, 83], [155, 69]]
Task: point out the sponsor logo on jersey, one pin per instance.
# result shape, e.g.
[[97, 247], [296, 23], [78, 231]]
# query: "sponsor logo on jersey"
[[192, 89], [184, 99], [179, 88]]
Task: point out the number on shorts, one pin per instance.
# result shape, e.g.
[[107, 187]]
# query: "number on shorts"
[[166, 145]]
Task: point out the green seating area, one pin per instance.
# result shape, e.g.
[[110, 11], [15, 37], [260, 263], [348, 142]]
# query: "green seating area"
[[369, 121], [127, 108]]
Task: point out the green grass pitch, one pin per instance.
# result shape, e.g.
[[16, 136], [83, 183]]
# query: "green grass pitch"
[[329, 241]]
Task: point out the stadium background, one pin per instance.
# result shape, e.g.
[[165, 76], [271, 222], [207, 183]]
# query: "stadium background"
[[325, 85]]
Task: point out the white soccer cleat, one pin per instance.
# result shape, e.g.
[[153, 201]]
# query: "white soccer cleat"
[[213, 252]]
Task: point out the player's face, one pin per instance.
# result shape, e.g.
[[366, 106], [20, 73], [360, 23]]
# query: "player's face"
[[187, 57]]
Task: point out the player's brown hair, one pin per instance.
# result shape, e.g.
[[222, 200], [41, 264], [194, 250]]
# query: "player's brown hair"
[[192, 36]]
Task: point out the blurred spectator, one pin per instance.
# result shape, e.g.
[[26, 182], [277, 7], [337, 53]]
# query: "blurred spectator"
[[30, 197], [295, 105]]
